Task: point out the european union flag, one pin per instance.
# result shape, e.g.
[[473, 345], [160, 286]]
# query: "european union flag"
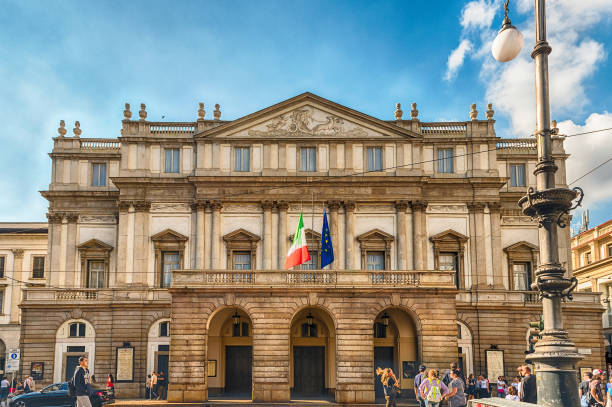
[[327, 249]]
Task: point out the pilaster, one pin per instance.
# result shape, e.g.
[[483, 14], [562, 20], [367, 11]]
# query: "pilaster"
[[141, 241], [215, 234], [349, 242], [498, 277], [333, 220], [282, 232], [477, 246], [16, 285], [267, 240], [400, 207], [419, 240]]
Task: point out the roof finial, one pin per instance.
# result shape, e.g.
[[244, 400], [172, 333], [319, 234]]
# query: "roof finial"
[[143, 112], [414, 113], [62, 129], [473, 112], [217, 112], [201, 111], [77, 129], [126, 113], [398, 111], [555, 129], [490, 111]]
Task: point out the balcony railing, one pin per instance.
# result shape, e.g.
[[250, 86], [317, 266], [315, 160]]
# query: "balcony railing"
[[514, 297], [443, 128], [172, 128], [99, 144], [86, 295], [516, 144], [313, 278]]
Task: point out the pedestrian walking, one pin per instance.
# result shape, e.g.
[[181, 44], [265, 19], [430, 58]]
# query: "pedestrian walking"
[[162, 385], [512, 394], [529, 390], [456, 395], [471, 386], [482, 387], [501, 387], [390, 385], [418, 379], [584, 389], [433, 389], [453, 366], [82, 383], [4, 391], [148, 387], [154, 393], [595, 397]]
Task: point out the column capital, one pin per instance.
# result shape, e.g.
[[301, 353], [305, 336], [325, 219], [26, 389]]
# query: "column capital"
[[54, 217], [216, 205], [17, 253], [199, 205], [494, 206], [72, 217], [333, 205], [349, 206], [267, 205], [419, 205], [142, 206], [474, 207], [124, 206], [401, 205], [282, 205]]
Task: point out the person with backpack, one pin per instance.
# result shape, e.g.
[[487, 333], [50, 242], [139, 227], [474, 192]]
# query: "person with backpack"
[[433, 389], [390, 385], [80, 384], [583, 388], [595, 397], [418, 379]]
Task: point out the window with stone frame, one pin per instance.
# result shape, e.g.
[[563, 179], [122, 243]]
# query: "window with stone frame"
[[610, 250], [98, 174], [95, 260], [522, 258], [169, 247], [449, 249], [445, 160], [517, 175], [374, 158], [77, 330], [308, 159], [375, 248], [587, 258], [172, 163], [241, 243], [242, 159], [2, 262], [164, 329], [38, 267], [313, 241]]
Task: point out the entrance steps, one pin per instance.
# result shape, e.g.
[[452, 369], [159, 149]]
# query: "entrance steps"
[[242, 403]]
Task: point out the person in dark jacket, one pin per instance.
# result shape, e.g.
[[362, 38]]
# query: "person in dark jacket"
[[529, 390], [82, 383]]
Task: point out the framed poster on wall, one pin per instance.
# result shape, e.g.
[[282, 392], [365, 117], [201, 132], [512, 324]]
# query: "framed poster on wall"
[[495, 363], [212, 368], [125, 364], [37, 370]]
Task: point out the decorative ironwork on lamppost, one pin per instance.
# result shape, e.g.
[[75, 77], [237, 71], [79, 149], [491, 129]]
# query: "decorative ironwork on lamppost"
[[555, 354]]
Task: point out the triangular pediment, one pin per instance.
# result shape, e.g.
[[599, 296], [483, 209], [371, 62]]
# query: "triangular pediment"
[[449, 235], [521, 246], [310, 235], [241, 235], [375, 234], [308, 116], [94, 244], [168, 235]]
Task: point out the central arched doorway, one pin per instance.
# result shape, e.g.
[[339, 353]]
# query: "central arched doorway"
[[395, 347], [230, 354], [312, 355]]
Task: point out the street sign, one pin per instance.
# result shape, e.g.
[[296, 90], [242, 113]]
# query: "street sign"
[[12, 361]]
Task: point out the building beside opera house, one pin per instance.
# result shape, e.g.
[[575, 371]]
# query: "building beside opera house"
[[166, 249]]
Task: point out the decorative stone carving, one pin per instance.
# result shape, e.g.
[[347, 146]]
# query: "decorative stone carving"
[[142, 206], [517, 220], [97, 219], [17, 253], [333, 205], [401, 206], [55, 217], [77, 129], [418, 205], [398, 112], [62, 129], [446, 208], [267, 205], [554, 129], [72, 217], [282, 205], [201, 111], [490, 111], [216, 205], [126, 113], [414, 112], [199, 205], [300, 123], [169, 207], [494, 206], [124, 205], [475, 206], [217, 112], [143, 112], [349, 206], [473, 112]]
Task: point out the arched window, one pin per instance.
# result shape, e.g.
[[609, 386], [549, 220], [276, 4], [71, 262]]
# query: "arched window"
[[74, 338], [158, 346], [77, 330]]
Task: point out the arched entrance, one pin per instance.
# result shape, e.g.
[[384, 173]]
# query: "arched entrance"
[[466, 349], [312, 355], [158, 346], [230, 354], [74, 338], [395, 346]]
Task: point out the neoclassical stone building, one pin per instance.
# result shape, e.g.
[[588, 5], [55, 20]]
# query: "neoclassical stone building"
[[186, 226]]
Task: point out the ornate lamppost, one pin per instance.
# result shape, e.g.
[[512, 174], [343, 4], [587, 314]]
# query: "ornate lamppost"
[[555, 354]]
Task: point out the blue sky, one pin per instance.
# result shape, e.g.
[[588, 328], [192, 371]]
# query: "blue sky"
[[81, 60]]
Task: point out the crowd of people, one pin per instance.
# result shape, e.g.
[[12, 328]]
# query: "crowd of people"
[[594, 391], [156, 386]]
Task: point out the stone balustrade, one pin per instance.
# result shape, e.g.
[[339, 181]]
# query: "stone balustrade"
[[516, 144], [83, 295], [497, 297], [99, 144], [444, 128]]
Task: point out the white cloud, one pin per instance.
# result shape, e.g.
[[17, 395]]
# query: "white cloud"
[[477, 14], [455, 59]]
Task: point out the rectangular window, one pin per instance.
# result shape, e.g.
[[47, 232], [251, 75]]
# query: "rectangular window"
[[449, 261], [587, 257], [75, 348], [164, 329], [242, 158], [2, 301], [380, 330], [520, 274], [38, 267], [77, 329], [98, 171], [173, 160], [242, 260], [170, 261], [309, 331], [241, 329], [311, 264], [375, 261], [308, 159], [95, 274], [445, 160], [374, 158], [609, 252], [517, 175], [1, 266]]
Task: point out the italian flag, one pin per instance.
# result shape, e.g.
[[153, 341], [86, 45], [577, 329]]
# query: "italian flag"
[[298, 253]]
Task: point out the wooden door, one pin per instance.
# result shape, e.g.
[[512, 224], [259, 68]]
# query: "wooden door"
[[238, 372], [309, 370]]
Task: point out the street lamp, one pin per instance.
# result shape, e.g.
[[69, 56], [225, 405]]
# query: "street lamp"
[[236, 318], [309, 319], [385, 319], [555, 354]]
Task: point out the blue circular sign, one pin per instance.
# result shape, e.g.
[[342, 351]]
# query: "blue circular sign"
[[14, 356]]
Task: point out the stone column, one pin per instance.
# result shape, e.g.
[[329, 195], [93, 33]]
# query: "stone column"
[[122, 242], [215, 235], [409, 240], [63, 249], [53, 248], [477, 244], [349, 241], [71, 271], [267, 234], [419, 240], [400, 207], [496, 249], [333, 220], [129, 252], [15, 285], [283, 236], [141, 242], [274, 239], [207, 261], [200, 234]]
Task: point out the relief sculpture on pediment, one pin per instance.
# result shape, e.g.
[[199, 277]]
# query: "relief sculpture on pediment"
[[304, 122]]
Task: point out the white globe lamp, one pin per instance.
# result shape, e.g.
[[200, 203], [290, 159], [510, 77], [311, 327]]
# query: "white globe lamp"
[[509, 40]]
